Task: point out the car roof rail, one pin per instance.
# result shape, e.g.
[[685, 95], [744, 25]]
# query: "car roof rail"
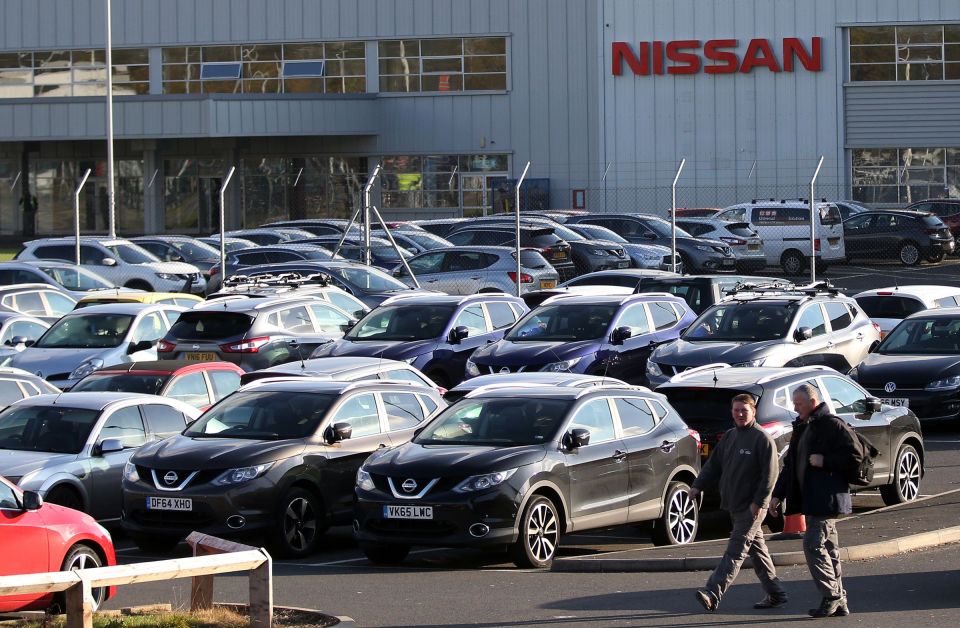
[[473, 297], [715, 366], [401, 297], [766, 379], [628, 387], [488, 387]]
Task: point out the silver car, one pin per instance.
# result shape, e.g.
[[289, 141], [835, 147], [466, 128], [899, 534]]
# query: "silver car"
[[85, 340], [472, 269], [744, 241], [72, 448]]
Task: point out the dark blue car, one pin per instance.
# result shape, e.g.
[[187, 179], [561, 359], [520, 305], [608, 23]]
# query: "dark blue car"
[[436, 334], [593, 335]]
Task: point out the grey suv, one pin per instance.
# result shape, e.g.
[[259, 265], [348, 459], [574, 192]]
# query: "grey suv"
[[473, 269], [774, 327]]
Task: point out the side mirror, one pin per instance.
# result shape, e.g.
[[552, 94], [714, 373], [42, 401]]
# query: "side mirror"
[[143, 345], [32, 500], [109, 261], [337, 432], [16, 340], [346, 327], [29, 342], [803, 333], [458, 334], [109, 446], [620, 334], [873, 404], [399, 272], [576, 438]]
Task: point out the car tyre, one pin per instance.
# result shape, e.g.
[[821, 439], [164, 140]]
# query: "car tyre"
[[909, 254], [680, 519], [81, 557], [793, 262], [539, 535], [299, 526], [66, 497], [686, 264], [935, 257], [383, 554], [907, 473], [155, 543]]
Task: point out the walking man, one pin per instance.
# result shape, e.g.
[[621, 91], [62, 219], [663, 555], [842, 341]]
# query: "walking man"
[[744, 464], [814, 483]]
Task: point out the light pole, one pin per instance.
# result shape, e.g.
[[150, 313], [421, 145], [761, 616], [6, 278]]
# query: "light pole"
[[111, 203]]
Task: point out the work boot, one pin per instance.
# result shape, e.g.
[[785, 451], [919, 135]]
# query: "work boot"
[[708, 600], [771, 601], [828, 606]]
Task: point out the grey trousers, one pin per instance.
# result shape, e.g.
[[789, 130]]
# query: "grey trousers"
[[746, 538], [821, 546]]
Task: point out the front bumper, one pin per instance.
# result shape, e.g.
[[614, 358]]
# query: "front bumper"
[[928, 405], [714, 263]]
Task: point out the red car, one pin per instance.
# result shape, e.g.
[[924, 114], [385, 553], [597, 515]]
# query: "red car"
[[37, 537], [199, 384], [946, 209]]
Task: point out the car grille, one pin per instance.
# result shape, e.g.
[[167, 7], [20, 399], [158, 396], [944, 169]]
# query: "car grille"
[[529, 368], [201, 477]]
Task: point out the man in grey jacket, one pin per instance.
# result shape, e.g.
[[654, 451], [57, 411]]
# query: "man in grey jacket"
[[744, 465]]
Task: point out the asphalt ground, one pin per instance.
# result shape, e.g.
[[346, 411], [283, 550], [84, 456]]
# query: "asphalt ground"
[[856, 277]]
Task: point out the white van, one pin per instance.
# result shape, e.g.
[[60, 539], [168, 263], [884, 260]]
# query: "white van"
[[784, 227]]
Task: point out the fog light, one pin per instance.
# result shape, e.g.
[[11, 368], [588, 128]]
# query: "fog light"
[[479, 530], [236, 522]]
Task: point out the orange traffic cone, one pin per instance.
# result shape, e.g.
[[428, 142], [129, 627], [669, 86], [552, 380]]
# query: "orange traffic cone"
[[793, 527]]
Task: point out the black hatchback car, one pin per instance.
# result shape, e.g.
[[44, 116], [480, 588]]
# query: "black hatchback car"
[[275, 459], [521, 466], [909, 236]]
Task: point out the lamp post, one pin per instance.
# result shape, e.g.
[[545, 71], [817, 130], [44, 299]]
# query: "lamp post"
[[111, 202]]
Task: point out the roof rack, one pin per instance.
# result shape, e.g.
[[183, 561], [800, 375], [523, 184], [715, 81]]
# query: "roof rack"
[[589, 389], [776, 288], [716, 366], [793, 371]]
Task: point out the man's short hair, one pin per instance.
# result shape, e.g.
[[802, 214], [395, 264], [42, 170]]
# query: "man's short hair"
[[746, 399], [809, 391]]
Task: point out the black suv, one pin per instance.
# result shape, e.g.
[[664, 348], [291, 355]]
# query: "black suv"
[[703, 397], [520, 466], [542, 237], [275, 459], [909, 236]]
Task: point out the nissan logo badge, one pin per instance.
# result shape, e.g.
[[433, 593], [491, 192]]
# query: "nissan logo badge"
[[890, 387], [409, 485], [196, 346], [170, 477]]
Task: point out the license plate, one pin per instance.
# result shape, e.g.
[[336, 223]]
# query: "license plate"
[[560, 255], [408, 512], [728, 262], [623, 265], [833, 241], [753, 247], [546, 284], [897, 401], [201, 356], [705, 450], [170, 503]]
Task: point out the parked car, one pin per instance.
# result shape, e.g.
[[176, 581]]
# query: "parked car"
[[254, 333], [474, 269], [415, 241], [553, 248], [197, 384], [784, 227], [315, 226], [624, 278], [291, 284], [17, 384], [946, 209], [694, 212], [17, 331], [648, 256], [76, 281], [440, 226], [888, 306], [181, 249], [85, 340], [36, 299], [512, 380], [775, 328], [703, 401], [745, 243], [266, 255], [435, 333], [521, 466], [595, 335], [849, 208], [56, 539], [180, 299], [905, 235], [229, 244], [276, 459], [699, 255], [537, 297], [346, 369], [702, 291], [71, 447], [382, 253], [266, 236], [120, 262]]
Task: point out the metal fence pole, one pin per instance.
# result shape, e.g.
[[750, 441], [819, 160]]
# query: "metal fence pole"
[[519, 183], [223, 229], [673, 218], [76, 217], [813, 229], [366, 215], [111, 200]]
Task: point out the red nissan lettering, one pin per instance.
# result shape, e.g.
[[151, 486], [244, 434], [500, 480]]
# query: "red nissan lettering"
[[684, 62]]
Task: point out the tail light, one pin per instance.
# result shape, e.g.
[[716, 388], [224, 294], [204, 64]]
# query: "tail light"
[[165, 347], [250, 345], [524, 277], [734, 241], [214, 270], [696, 436], [441, 390], [816, 244]]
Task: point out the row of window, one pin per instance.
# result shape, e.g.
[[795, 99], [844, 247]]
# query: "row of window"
[[905, 175], [443, 65], [73, 73], [905, 53], [437, 180]]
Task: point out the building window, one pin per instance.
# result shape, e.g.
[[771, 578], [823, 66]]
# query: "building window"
[[905, 175], [439, 181], [52, 73], [306, 68], [905, 53], [443, 65]]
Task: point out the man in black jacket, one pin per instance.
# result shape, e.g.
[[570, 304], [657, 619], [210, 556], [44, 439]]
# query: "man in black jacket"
[[814, 482]]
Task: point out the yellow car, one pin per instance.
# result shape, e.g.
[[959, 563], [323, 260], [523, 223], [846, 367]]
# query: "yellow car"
[[157, 298]]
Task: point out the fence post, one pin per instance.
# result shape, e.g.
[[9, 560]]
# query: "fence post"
[[367, 202], [261, 594], [673, 218], [76, 216], [519, 183], [223, 247], [79, 598], [813, 223]]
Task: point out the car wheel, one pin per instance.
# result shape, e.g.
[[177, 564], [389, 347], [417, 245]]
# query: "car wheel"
[[155, 543], [680, 519], [299, 526], [81, 557], [138, 284], [686, 265], [440, 378], [66, 497], [906, 478], [792, 262], [539, 535], [379, 554], [935, 257], [909, 254]]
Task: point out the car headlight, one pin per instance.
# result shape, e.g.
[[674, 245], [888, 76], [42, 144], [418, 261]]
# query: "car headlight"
[[472, 369], [653, 369], [410, 360], [130, 472], [757, 362], [944, 384], [364, 481], [562, 366], [703, 247], [86, 368], [241, 474], [597, 252], [483, 482], [650, 256], [167, 276]]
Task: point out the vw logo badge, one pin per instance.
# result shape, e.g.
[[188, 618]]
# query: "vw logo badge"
[[505, 369], [409, 485], [170, 478], [890, 387]]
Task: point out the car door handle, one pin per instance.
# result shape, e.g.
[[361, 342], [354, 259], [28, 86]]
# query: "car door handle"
[[667, 446], [619, 455], [381, 446], [475, 278]]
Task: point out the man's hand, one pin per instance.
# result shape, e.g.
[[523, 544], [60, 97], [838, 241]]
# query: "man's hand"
[[694, 493], [816, 460], [755, 510], [774, 508]]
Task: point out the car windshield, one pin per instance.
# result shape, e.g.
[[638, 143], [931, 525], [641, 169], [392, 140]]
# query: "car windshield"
[[743, 322], [566, 233], [315, 252], [190, 250], [132, 254], [367, 278], [497, 422], [402, 322], [597, 232], [662, 227], [76, 278], [923, 336], [86, 331], [389, 254], [263, 415], [47, 428], [425, 240], [122, 382], [561, 323]]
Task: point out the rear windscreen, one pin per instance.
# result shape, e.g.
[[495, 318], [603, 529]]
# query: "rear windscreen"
[[531, 259], [703, 408], [210, 325], [890, 306], [933, 221], [742, 230], [689, 292]]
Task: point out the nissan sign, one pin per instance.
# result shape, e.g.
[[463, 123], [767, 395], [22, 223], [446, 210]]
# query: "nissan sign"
[[715, 56]]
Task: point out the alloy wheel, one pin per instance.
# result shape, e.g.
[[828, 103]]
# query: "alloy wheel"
[[299, 524], [908, 475], [909, 254], [543, 532], [682, 517], [85, 559]]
